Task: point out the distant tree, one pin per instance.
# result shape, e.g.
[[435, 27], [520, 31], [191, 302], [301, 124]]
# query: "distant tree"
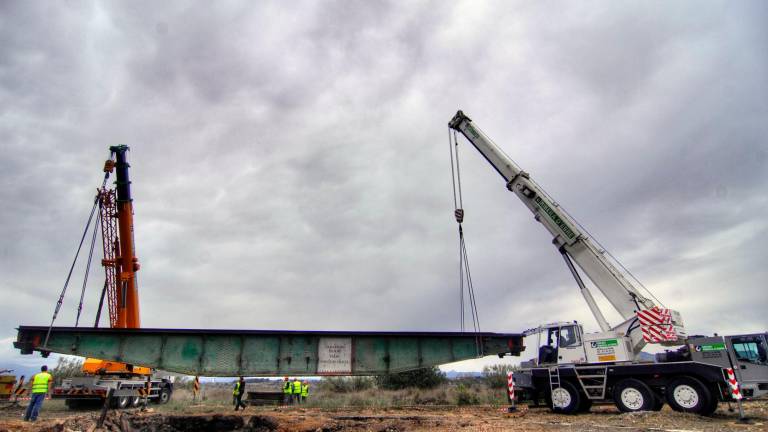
[[66, 367], [346, 384], [496, 375], [183, 382], [420, 378]]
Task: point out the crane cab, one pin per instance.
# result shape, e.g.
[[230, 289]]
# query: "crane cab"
[[566, 343]]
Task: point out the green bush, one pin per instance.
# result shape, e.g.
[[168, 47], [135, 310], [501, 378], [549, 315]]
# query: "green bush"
[[464, 396], [67, 367], [420, 378], [496, 375], [346, 384]]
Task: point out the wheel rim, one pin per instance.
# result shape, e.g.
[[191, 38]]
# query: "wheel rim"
[[560, 398], [164, 396], [632, 398], [122, 402], [686, 396]]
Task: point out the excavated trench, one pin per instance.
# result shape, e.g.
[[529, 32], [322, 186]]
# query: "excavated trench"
[[128, 422]]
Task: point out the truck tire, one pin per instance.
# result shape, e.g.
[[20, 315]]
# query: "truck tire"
[[687, 394], [121, 402], [633, 395], [566, 399], [585, 405], [135, 401], [164, 396], [713, 403]]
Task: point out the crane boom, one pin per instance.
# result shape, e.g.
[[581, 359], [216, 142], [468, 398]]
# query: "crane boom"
[[120, 262], [571, 241], [128, 265]]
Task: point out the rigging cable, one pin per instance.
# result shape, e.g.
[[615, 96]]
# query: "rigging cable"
[[464, 272], [87, 270], [458, 213], [74, 261]]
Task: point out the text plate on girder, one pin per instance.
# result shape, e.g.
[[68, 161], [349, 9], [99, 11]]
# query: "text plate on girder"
[[334, 355]]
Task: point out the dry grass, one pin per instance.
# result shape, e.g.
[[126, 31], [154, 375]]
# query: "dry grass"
[[453, 393]]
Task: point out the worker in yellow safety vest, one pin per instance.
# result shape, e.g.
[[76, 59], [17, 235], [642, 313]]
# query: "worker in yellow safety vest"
[[287, 391], [238, 392], [41, 385], [297, 390], [304, 391]]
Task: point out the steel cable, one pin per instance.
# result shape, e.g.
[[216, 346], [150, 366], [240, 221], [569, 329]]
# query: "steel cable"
[[465, 276], [74, 261], [87, 270]]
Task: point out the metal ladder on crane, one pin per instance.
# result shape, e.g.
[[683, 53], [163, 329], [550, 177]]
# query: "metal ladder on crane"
[[593, 380], [554, 382]]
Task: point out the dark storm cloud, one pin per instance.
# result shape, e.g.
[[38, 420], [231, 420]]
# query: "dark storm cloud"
[[291, 160]]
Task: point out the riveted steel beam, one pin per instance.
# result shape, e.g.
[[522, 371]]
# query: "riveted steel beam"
[[269, 352]]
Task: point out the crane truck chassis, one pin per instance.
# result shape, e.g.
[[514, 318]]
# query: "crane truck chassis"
[[126, 392], [692, 379], [574, 369]]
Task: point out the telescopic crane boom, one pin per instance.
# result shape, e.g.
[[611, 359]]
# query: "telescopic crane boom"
[[120, 262], [126, 264], [571, 242]]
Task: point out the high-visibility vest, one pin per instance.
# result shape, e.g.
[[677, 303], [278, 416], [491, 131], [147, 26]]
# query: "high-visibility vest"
[[305, 390], [40, 382], [237, 388], [297, 387], [287, 387]]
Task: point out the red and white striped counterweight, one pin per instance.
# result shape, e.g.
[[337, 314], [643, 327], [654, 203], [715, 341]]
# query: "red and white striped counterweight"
[[660, 325]]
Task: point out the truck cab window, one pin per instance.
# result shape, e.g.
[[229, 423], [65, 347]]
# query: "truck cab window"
[[569, 336], [548, 350], [749, 350]]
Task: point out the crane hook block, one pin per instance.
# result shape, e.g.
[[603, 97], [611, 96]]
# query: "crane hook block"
[[109, 165], [459, 213]]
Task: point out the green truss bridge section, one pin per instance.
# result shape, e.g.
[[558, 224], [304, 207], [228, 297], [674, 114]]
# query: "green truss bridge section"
[[268, 352]]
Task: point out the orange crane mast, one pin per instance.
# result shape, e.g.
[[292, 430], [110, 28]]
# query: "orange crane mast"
[[120, 261]]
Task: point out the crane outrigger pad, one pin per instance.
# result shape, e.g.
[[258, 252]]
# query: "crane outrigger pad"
[[269, 352]]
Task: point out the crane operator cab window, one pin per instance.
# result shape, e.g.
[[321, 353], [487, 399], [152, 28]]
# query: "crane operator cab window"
[[548, 350], [750, 350], [569, 336], [561, 345]]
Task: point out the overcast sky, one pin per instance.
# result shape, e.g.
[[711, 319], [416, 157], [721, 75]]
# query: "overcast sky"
[[290, 159]]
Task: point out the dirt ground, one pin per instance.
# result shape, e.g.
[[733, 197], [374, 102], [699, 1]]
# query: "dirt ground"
[[55, 417]]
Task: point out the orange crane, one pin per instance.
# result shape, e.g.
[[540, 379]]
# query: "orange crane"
[[121, 291], [120, 261]]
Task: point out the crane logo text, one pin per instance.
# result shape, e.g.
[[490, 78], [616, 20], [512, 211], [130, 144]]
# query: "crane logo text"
[[555, 218]]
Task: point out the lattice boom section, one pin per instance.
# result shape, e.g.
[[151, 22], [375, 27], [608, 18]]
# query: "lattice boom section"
[[108, 216]]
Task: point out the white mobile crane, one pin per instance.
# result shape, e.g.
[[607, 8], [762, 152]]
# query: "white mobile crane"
[[574, 369]]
